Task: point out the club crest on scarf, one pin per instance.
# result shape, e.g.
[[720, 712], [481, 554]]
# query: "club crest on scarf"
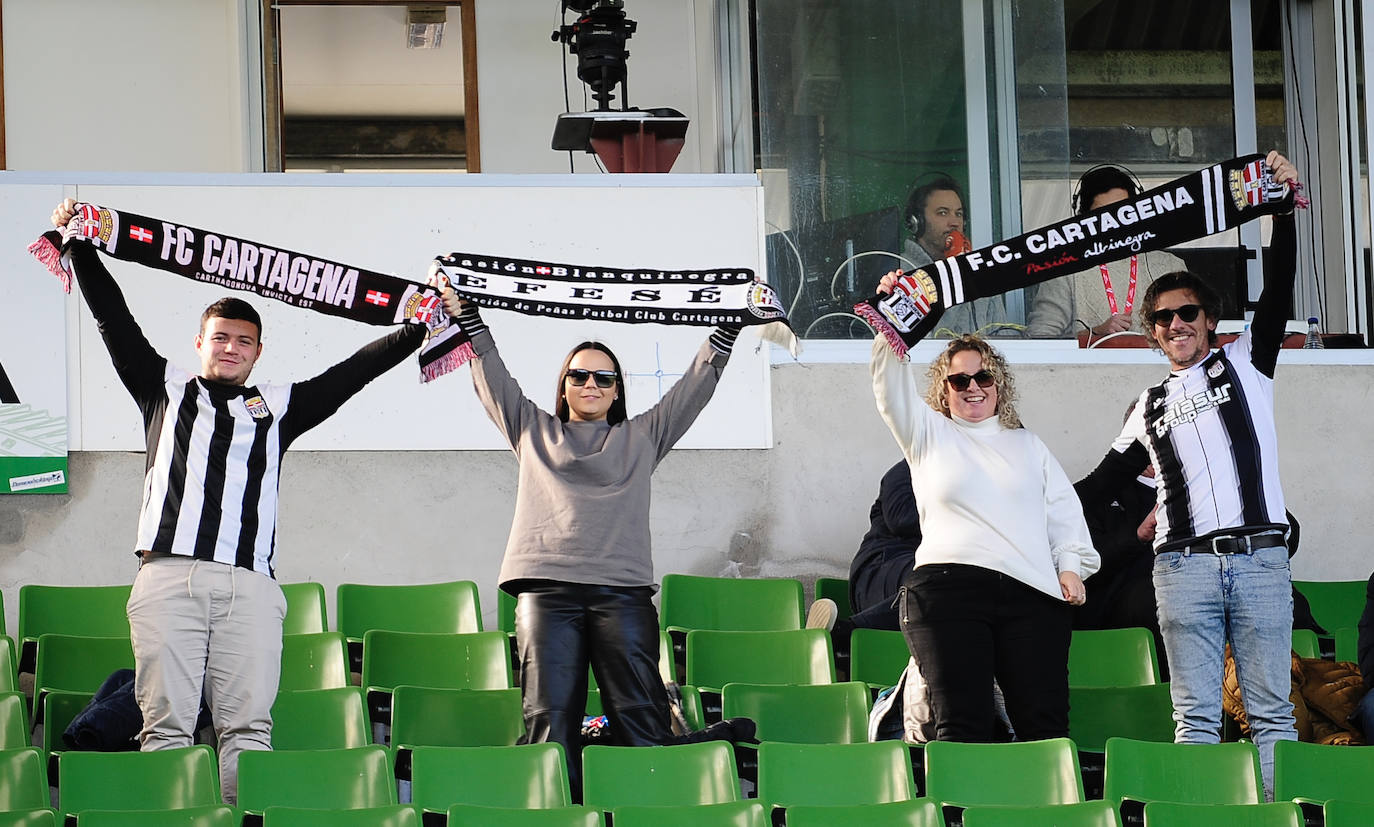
[[764, 303], [915, 295], [95, 223], [1254, 184]]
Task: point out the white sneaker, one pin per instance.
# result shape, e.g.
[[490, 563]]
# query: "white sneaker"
[[822, 614]]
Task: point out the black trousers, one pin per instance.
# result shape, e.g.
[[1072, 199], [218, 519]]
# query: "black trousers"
[[560, 629], [967, 625]]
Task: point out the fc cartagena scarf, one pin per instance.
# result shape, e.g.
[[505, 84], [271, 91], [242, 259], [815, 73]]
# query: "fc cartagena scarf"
[[1208, 201], [696, 297]]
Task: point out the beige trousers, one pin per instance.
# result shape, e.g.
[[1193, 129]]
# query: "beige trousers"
[[204, 627]]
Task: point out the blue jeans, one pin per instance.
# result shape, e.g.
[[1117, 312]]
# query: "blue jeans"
[[1205, 600]]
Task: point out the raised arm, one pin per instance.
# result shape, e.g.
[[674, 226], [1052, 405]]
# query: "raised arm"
[[1275, 305], [315, 400], [674, 414], [498, 391], [139, 366]]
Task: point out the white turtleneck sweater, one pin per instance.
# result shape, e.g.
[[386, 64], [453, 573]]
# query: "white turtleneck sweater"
[[988, 496]]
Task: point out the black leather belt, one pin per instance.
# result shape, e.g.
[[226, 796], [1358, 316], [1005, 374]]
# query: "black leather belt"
[[1230, 544]]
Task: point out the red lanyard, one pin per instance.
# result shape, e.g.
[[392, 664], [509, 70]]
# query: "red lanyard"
[[1111, 294]]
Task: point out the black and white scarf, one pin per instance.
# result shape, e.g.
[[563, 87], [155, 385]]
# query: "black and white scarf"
[[1199, 204], [704, 297]]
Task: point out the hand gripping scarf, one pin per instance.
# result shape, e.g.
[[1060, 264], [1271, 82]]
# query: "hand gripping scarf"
[[1208, 201], [683, 297]]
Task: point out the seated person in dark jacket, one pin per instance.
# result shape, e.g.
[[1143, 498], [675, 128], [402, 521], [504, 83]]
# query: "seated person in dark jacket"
[[1123, 594], [1364, 713], [887, 553]]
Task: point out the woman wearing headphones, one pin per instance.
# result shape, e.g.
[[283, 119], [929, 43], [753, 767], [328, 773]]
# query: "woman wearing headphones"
[[1100, 299]]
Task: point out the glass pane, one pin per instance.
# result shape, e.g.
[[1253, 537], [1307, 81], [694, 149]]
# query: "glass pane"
[[859, 101], [1149, 89]]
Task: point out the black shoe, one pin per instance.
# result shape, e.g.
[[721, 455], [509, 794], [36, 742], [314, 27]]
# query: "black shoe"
[[733, 730]]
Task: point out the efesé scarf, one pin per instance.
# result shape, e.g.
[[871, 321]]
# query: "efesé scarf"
[[704, 297], [1199, 204], [713, 296]]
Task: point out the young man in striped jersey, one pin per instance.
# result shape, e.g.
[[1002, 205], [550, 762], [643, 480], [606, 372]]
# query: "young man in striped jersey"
[[1221, 560], [205, 612]]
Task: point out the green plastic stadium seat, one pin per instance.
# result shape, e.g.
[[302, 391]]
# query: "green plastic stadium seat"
[[1335, 604], [1018, 774], [828, 774], [877, 656], [9, 666], [676, 775], [447, 608], [58, 710], [317, 660], [529, 776], [477, 660], [1305, 643], [41, 817], [1347, 644], [1169, 814], [23, 780], [1182, 773], [83, 611], [431, 717], [921, 812], [1144, 713], [305, 610], [1348, 813], [1113, 657], [78, 664], [317, 719], [14, 721], [394, 815], [835, 713], [1319, 772], [343, 779], [837, 589], [716, 658], [471, 814], [730, 603], [214, 816], [728, 814], [170, 779], [1086, 814]]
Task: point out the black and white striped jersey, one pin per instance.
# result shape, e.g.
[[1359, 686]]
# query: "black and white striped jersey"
[[215, 449], [1209, 429]]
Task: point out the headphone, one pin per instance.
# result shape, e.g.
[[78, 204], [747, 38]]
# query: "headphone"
[[1099, 179], [916, 202]]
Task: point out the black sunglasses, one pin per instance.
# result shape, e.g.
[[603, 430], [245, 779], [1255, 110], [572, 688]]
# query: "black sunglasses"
[[960, 381], [577, 377], [1187, 313]]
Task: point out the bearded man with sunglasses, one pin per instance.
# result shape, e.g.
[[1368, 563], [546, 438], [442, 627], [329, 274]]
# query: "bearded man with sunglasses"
[[1221, 558]]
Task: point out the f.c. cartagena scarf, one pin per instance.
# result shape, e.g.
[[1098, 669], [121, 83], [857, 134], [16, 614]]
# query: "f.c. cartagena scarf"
[[682, 297], [1208, 201]]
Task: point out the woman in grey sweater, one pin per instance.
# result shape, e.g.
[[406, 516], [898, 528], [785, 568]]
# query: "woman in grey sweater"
[[579, 557]]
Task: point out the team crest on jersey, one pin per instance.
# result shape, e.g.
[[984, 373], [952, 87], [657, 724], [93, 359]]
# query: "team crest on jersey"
[[1254, 184], [257, 407], [1216, 370], [763, 302]]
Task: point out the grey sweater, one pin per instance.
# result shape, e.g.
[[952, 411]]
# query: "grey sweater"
[[582, 507]]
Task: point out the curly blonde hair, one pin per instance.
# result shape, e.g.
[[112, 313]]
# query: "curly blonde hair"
[[937, 396]]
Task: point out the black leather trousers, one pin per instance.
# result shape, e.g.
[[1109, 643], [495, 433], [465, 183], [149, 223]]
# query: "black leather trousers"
[[560, 628]]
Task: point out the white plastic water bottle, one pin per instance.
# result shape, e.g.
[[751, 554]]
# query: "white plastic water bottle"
[[1314, 335]]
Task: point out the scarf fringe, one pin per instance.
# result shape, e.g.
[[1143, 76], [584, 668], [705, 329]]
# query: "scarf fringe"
[[870, 314], [50, 256], [448, 363]]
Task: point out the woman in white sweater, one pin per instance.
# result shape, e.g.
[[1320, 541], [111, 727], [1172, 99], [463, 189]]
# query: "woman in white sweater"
[[1005, 546]]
